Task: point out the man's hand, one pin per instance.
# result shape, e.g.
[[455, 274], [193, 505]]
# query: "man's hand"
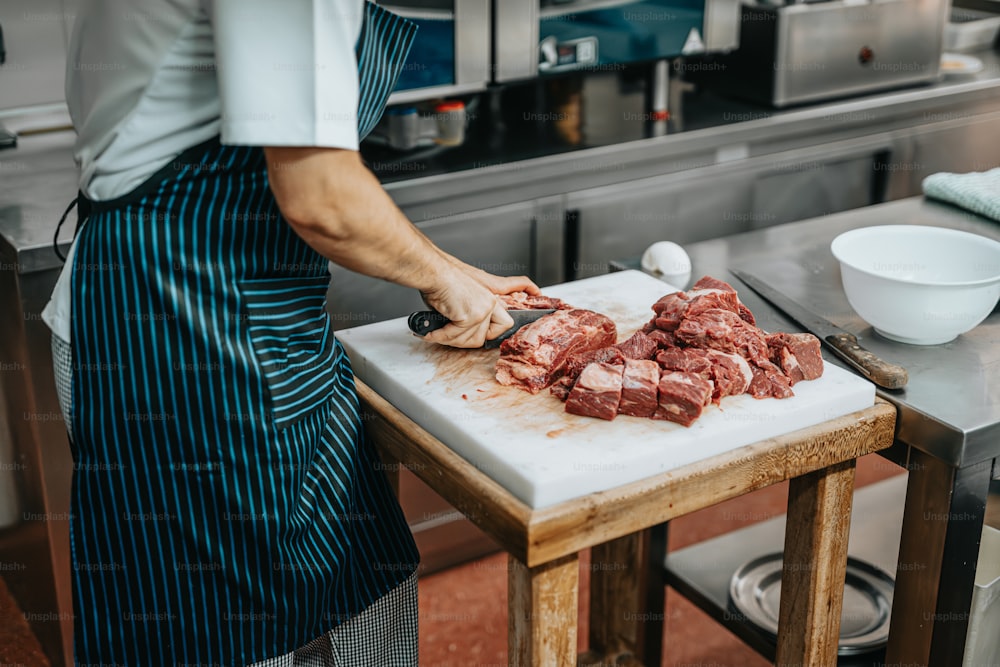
[[476, 314]]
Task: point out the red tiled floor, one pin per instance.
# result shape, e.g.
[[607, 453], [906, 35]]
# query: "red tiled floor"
[[463, 611]]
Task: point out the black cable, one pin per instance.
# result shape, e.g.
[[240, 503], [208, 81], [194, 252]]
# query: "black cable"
[[55, 238]]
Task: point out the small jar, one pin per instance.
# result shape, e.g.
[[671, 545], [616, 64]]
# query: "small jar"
[[450, 117]]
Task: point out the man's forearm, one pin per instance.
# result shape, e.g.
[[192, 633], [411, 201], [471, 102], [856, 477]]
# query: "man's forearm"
[[341, 210]]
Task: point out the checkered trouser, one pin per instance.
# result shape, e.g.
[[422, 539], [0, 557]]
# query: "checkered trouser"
[[383, 635]]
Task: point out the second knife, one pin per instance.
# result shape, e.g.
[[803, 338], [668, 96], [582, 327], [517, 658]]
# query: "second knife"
[[843, 343]]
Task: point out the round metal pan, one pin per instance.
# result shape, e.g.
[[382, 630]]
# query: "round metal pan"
[[755, 589]]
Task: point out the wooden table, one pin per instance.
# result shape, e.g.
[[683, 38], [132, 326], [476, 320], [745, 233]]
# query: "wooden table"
[[543, 544]]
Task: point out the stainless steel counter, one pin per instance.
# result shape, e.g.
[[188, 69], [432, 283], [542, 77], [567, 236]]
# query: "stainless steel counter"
[[38, 180]]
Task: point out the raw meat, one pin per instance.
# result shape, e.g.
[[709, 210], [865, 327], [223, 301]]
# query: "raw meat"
[[639, 388], [730, 374], [597, 392], [562, 387], [798, 355], [687, 359], [769, 382], [725, 331], [577, 362], [536, 355], [706, 294], [638, 346], [663, 339], [708, 282], [681, 397], [525, 301]]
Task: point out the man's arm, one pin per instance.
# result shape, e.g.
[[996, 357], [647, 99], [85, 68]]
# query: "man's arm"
[[339, 208]]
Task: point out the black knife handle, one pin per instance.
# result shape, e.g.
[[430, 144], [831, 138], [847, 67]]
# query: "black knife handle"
[[423, 322], [877, 370]]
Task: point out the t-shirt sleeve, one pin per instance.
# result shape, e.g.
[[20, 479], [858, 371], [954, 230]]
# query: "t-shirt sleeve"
[[287, 71]]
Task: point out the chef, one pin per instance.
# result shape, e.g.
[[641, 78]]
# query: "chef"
[[226, 507]]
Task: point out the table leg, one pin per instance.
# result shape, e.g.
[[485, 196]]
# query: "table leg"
[[815, 564], [542, 612], [938, 550], [627, 588]]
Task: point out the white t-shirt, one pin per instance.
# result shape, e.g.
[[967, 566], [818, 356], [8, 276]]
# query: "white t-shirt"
[[146, 81]]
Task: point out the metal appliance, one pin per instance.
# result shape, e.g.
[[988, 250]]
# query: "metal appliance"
[[451, 50], [808, 51], [540, 37]]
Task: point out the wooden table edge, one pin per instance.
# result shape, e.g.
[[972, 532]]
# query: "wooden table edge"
[[537, 536]]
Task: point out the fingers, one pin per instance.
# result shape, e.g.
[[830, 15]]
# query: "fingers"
[[453, 335], [508, 284], [499, 322], [497, 284], [475, 334]]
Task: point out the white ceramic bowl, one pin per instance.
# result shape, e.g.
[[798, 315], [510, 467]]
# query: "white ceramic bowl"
[[916, 284]]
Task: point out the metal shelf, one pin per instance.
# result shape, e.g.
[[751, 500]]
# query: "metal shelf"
[[702, 572]]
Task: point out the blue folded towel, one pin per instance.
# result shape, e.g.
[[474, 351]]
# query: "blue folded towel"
[[978, 191]]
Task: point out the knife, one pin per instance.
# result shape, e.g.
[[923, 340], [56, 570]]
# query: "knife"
[[843, 343], [425, 321]]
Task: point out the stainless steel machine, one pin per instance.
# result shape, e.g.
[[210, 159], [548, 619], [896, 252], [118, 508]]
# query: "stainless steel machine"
[[808, 51]]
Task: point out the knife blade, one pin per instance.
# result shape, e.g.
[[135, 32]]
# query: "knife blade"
[[423, 322], [843, 343]]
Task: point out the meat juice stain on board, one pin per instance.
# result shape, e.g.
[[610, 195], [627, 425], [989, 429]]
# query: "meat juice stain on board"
[[469, 376]]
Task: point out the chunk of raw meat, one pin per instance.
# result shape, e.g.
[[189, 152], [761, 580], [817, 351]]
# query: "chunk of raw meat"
[[663, 339], [769, 382], [638, 346], [672, 309], [708, 282], [577, 362], [729, 373], [798, 355], [725, 331], [681, 397], [706, 294], [597, 392], [525, 301], [639, 388], [687, 359], [536, 356]]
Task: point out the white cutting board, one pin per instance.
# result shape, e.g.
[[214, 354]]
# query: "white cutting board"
[[542, 455]]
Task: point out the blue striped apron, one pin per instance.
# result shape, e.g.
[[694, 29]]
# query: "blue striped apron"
[[226, 505]]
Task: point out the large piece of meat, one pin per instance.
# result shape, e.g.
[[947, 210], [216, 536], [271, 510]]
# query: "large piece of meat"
[[536, 356], [597, 392]]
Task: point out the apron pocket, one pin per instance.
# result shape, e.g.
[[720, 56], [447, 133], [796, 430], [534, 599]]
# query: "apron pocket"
[[294, 343]]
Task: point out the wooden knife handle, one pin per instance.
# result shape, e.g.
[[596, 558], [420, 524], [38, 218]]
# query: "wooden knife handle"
[[875, 369]]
